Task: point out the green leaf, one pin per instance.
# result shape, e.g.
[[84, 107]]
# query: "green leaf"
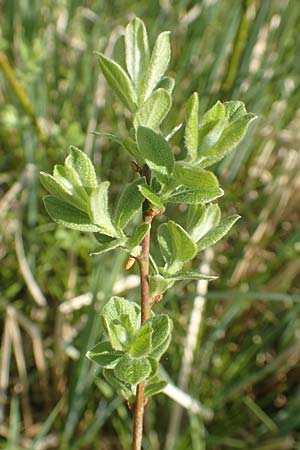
[[137, 52], [154, 110], [117, 307], [211, 127], [132, 370], [229, 139], [166, 83], [154, 366], [104, 355], [98, 209], [191, 127], [65, 214], [208, 220], [139, 235], [194, 215], [194, 177], [119, 51], [158, 64], [162, 327], [124, 389], [82, 164], [141, 345], [176, 245], [162, 348], [159, 284], [234, 110], [192, 196], [152, 197], [217, 233], [154, 386], [119, 81], [129, 203], [108, 246], [60, 190], [185, 275], [156, 152], [69, 180]]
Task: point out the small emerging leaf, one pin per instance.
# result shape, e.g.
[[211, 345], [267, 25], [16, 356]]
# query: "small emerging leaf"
[[182, 275], [159, 284], [167, 83], [65, 214], [124, 389], [152, 197], [217, 233], [141, 345], [162, 327], [234, 110], [139, 235], [119, 81], [132, 370], [154, 386]]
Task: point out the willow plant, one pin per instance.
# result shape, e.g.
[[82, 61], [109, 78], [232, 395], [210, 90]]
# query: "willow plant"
[[136, 336]]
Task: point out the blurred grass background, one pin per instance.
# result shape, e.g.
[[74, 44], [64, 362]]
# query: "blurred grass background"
[[244, 337]]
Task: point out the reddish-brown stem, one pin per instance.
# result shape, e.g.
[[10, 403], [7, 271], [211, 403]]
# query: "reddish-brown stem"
[[143, 261]]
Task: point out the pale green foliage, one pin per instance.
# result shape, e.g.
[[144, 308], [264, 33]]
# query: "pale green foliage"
[[79, 202]]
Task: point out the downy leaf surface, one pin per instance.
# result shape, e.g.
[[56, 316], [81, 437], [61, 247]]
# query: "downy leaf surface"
[[154, 386], [65, 214], [194, 177], [154, 110], [159, 61], [132, 370], [104, 355], [82, 164], [139, 235], [141, 345], [108, 246], [98, 209], [129, 203], [208, 220], [192, 196], [191, 127], [152, 197], [217, 233], [137, 52], [119, 81], [156, 152]]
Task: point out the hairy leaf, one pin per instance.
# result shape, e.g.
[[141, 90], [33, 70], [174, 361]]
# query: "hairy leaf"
[[176, 245], [139, 235], [132, 370], [161, 349], [217, 233], [152, 197], [98, 209], [65, 214], [119, 81], [230, 138], [191, 127], [184, 275], [137, 52], [166, 83], [156, 152], [82, 164], [208, 220], [154, 386], [129, 203], [192, 196], [194, 177], [141, 345], [104, 355], [125, 390], [162, 327], [159, 61], [234, 110], [159, 284], [154, 110]]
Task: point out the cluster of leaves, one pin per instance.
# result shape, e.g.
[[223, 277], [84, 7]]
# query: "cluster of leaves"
[[79, 202], [132, 353]]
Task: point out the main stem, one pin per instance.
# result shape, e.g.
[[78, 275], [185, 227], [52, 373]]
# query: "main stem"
[[143, 261]]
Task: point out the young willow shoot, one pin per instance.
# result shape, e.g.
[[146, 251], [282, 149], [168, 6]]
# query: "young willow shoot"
[[136, 336]]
